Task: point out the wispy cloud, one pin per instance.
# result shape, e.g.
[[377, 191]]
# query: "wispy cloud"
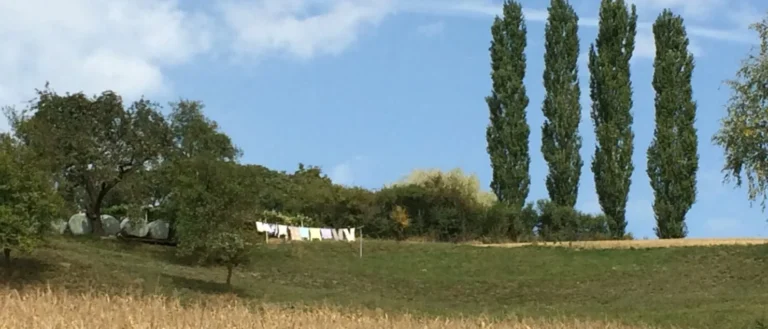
[[465, 7], [645, 46], [477, 7], [87, 44], [301, 28], [698, 9]]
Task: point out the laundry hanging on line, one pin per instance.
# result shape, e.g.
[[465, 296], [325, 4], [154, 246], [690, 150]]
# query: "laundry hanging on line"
[[299, 233]]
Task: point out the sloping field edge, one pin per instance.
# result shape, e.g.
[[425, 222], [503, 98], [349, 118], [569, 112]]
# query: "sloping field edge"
[[625, 244]]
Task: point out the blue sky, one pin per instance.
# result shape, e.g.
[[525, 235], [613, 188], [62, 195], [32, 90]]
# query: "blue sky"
[[367, 89]]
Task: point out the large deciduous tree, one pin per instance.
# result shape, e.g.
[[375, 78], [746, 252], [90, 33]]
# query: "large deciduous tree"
[[196, 135], [611, 94], [193, 135], [743, 133], [28, 201], [93, 143], [561, 142], [672, 156], [508, 132]]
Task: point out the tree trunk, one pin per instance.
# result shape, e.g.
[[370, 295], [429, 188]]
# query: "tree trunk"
[[7, 254], [94, 216], [229, 274]]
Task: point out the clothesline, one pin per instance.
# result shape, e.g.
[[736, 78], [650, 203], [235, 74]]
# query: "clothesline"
[[299, 233]]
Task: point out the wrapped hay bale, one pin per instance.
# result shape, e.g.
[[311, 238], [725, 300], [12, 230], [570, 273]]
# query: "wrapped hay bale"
[[134, 228], [79, 224], [110, 224], [158, 229], [59, 226]]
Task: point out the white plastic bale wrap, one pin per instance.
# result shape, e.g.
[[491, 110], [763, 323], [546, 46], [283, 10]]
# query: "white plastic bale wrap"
[[59, 226], [110, 224], [158, 229], [79, 224], [136, 228]]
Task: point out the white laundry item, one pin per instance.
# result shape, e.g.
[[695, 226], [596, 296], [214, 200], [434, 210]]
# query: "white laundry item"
[[349, 234], [282, 230]]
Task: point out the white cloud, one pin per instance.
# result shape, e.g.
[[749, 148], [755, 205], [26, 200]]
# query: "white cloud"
[[431, 29], [126, 45], [487, 8], [743, 14], [464, 7], [687, 8], [91, 45], [302, 28], [645, 46]]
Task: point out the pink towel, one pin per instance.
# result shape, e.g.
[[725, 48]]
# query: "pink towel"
[[326, 234], [295, 233]]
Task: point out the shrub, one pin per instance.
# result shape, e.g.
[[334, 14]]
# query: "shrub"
[[498, 222], [399, 217], [557, 223], [276, 217], [436, 210], [529, 219]]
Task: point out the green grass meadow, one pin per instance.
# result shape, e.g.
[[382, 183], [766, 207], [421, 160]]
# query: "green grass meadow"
[[696, 287]]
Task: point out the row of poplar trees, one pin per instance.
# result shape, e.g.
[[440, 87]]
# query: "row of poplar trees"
[[672, 156]]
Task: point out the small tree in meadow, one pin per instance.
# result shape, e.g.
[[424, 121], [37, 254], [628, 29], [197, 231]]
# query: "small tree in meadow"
[[211, 219], [228, 249], [28, 201]]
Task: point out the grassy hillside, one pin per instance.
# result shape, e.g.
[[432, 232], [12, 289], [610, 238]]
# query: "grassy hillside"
[[702, 287]]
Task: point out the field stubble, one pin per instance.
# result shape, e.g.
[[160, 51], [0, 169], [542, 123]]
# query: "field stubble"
[[637, 244], [58, 309]]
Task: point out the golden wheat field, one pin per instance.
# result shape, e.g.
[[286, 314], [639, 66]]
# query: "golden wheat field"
[[618, 244], [45, 309]]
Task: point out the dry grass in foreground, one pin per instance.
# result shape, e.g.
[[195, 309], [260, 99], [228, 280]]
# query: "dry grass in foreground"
[[656, 243], [45, 309]]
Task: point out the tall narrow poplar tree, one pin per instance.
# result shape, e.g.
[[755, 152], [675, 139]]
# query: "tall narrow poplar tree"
[[611, 94], [508, 132], [672, 156], [560, 138]]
